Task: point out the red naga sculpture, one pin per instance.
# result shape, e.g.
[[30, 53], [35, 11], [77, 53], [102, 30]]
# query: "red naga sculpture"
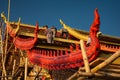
[[72, 59], [59, 59], [28, 43]]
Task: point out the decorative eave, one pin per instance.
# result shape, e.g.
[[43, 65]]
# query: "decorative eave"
[[103, 38]]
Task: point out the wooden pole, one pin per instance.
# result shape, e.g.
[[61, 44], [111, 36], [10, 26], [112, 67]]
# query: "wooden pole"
[[106, 62], [85, 59], [26, 62]]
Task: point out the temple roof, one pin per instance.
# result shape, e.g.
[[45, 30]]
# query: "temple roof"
[[103, 37]]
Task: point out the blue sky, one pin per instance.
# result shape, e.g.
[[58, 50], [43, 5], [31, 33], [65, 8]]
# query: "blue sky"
[[75, 13]]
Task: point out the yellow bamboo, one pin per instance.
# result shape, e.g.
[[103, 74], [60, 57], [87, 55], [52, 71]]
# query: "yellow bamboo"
[[14, 63], [86, 63], [4, 58], [6, 42], [100, 66], [3, 63], [85, 59], [26, 62], [111, 70], [99, 74], [106, 62], [8, 10]]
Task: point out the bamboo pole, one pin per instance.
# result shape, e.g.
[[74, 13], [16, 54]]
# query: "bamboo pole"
[[25, 72], [99, 74], [114, 66], [107, 74], [6, 43], [14, 63], [111, 70], [106, 62], [107, 69], [100, 66], [8, 10], [71, 77], [86, 63], [85, 59], [3, 63]]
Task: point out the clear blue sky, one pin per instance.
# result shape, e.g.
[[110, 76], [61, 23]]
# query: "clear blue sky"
[[75, 13]]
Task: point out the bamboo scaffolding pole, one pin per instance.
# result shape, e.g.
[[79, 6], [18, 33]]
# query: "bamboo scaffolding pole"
[[6, 43], [114, 66], [106, 74], [99, 60], [82, 78], [8, 10], [107, 69], [17, 72], [85, 59], [25, 72], [3, 63], [111, 70], [100, 66], [99, 74], [74, 75], [13, 70], [106, 62]]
